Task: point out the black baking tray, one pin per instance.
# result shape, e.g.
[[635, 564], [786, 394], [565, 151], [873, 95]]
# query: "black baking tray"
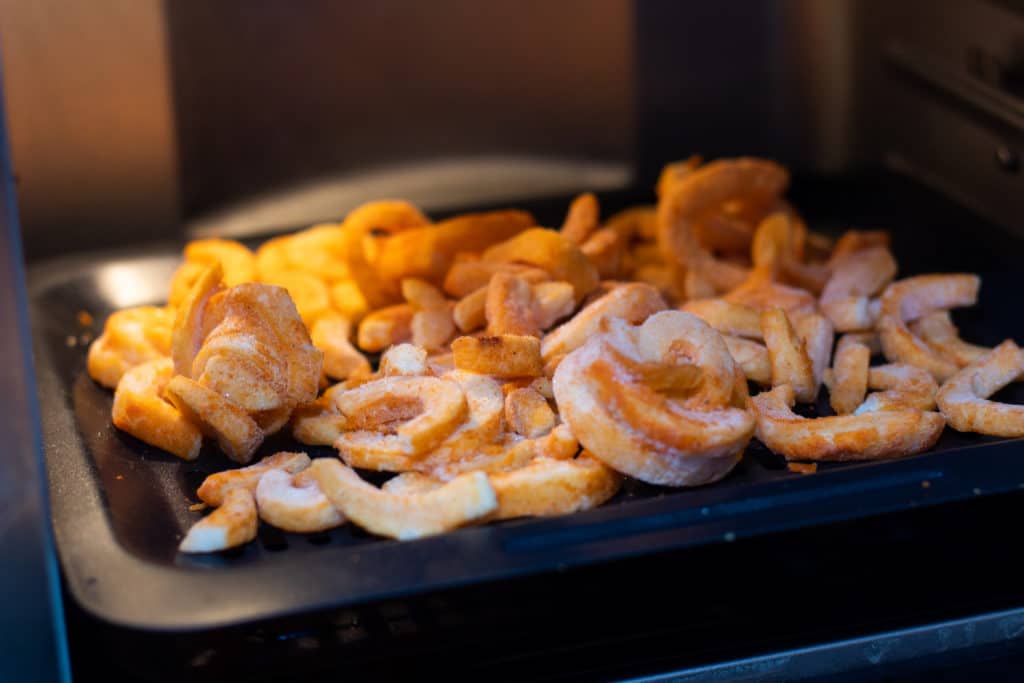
[[120, 507]]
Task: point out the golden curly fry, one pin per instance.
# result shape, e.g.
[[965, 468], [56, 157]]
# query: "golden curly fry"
[[582, 218], [706, 190], [855, 278], [130, 337], [238, 263], [551, 252], [914, 298], [506, 455], [463, 500], [466, 277], [233, 524], [856, 240], [295, 503], [871, 436], [606, 251], [634, 429], [140, 411], [963, 397], [503, 356]]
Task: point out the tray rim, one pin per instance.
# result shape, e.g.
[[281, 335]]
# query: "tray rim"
[[99, 571]]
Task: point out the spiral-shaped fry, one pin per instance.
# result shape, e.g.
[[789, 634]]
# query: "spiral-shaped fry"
[[648, 432]]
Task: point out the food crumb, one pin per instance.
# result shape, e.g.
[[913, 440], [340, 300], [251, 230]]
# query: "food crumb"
[[71, 341], [802, 467], [85, 319], [119, 477], [926, 484], [196, 507]]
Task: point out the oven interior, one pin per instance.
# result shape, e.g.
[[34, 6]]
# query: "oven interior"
[[905, 118]]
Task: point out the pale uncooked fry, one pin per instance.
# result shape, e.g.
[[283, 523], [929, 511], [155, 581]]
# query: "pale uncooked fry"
[[542, 385], [405, 416], [817, 334], [963, 397], [433, 327], [938, 331], [511, 454], [752, 357], [552, 301], [331, 334], [790, 362], [215, 487], [582, 218], [856, 240], [872, 436], [318, 423], [295, 503], [547, 487], [606, 251], [633, 302], [385, 327], [528, 413], [849, 381], [348, 300], [904, 386], [140, 411], [404, 359], [726, 317], [550, 251], [509, 307], [855, 278], [463, 500], [466, 277], [761, 293], [634, 429], [237, 434], [914, 298], [237, 262], [232, 524], [421, 294], [130, 337], [441, 363], [407, 483], [502, 356], [469, 313]]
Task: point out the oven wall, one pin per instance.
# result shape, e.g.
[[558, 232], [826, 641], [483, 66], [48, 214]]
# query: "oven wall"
[[139, 120]]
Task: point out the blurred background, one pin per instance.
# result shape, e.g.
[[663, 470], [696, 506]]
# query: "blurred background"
[[142, 120]]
